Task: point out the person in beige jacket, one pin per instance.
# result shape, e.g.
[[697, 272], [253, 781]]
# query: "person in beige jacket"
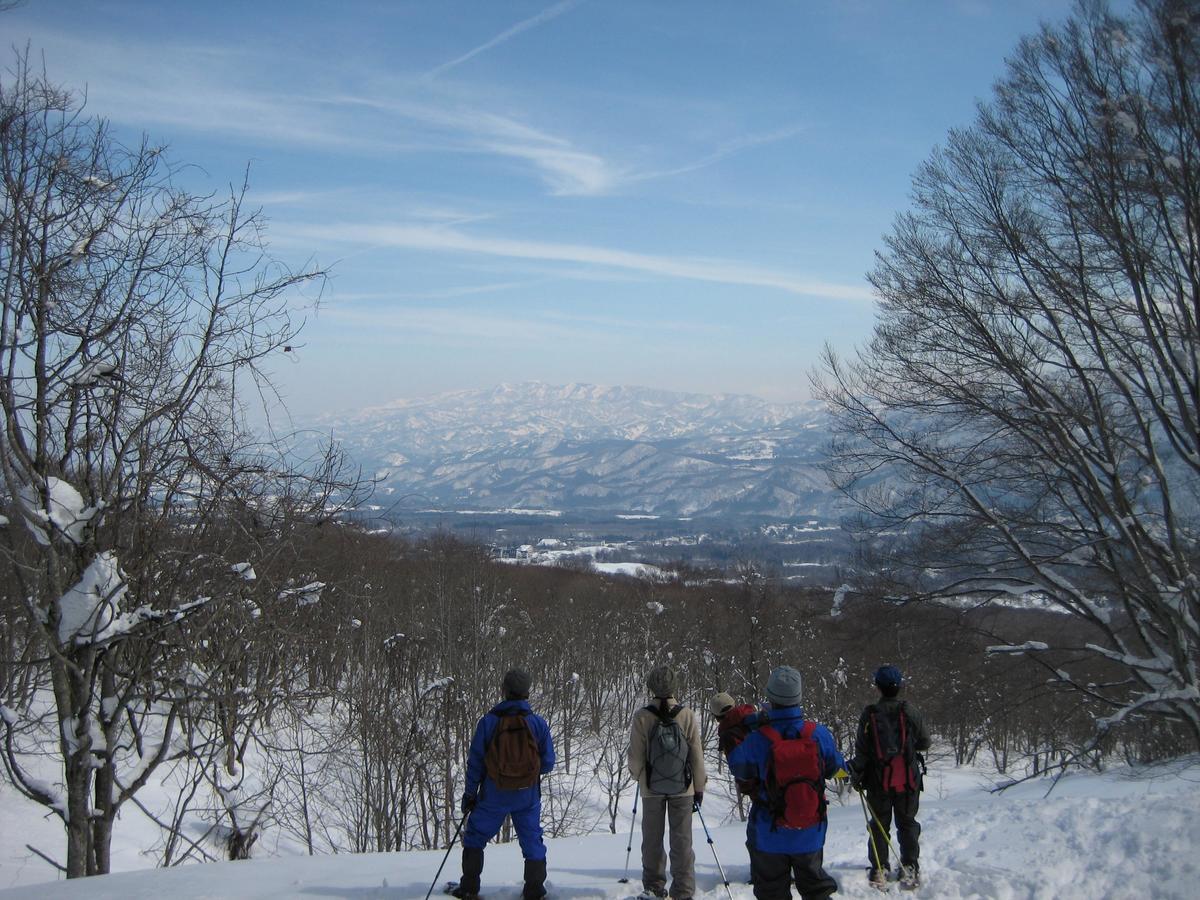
[[684, 785]]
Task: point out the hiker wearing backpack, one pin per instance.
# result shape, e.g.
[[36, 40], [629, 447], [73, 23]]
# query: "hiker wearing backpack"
[[667, 760], [734, 723], [887, 764], [790, 758], [510, 752]]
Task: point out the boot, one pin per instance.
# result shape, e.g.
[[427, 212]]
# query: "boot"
[[910, 877], [535, 879], [877, 878], [472, 868]]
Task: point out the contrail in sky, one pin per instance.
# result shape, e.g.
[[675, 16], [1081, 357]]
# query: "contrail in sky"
[[545, 15]]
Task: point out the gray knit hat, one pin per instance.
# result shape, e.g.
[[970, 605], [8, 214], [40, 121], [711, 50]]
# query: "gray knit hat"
[[784, 687], [719, 703], [662, 682], [516, 684]]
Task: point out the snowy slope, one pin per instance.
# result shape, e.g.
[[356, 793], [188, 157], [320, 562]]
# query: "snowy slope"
[[1124, 834]]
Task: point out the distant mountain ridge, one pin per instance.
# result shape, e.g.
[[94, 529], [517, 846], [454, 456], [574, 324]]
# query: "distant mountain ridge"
[[589, 447]]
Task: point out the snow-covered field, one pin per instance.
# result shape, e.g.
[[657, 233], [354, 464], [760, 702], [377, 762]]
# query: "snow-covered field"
[[1124, 834]]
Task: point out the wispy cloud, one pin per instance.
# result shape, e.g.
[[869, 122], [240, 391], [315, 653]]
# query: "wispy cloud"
[[204, 90], [724, 151], [449, 293], [474, 328], [450, 240], [544, 16], [466, 128]]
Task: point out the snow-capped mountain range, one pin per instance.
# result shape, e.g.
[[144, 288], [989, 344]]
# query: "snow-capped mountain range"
[[583, 447]]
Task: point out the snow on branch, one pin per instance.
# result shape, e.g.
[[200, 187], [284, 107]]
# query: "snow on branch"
[[89, 609], [304, 596], [89, 613], [65, 512], [244, 570], [1027, 647], [35, 789], [1161, 664], [94, 371], [1186, 697], [443, 682]]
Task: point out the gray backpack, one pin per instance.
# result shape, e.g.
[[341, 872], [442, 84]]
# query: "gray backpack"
[[667, 751]]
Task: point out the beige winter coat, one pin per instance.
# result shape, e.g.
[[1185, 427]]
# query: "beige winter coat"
[[639, 734]]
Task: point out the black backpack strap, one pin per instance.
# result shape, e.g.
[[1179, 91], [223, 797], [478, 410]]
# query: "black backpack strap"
[[664, 715]]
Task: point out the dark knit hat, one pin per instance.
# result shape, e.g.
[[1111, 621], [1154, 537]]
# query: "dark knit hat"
[[888, 677], [784, 687], [662, 682], [516, 684]]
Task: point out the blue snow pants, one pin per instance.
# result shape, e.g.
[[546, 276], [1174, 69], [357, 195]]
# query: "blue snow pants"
[[525, 807]]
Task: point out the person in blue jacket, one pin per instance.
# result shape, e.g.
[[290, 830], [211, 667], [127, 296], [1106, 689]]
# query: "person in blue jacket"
[[487, 805], [777, 853]]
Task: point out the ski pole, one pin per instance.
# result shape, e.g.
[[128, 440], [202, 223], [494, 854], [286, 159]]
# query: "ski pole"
[[637, 792], [453, 841], [870, 832], [878, 827], [713, 846]]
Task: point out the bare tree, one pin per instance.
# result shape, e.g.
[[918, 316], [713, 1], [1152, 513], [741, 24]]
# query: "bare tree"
[[131, 312], [1026, 418]]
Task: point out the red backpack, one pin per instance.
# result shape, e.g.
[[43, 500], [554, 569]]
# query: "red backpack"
[[896, 774], [733, 727], [795, 778]]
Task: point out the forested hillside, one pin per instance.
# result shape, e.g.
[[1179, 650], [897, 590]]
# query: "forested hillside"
[[334, 697]]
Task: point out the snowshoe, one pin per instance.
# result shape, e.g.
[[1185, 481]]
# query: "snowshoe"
[[452, 888], [910, 878], [648, 894], [877, 878]]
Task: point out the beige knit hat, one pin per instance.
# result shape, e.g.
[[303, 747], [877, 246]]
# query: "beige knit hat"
[[720, 703]]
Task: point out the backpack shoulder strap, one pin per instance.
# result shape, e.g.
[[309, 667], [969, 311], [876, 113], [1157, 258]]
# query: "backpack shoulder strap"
[[871, 711], [662, 715], [808, 729], [770, 734]]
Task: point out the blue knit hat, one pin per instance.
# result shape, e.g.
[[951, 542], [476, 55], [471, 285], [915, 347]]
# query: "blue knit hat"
[[888, 676]]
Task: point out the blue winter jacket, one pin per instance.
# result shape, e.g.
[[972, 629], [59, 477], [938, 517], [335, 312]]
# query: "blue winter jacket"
[[749, 761], [476, 769]]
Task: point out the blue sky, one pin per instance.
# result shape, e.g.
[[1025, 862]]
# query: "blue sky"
[[683, 195]]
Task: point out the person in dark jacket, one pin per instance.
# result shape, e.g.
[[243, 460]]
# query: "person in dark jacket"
[[734, 722], [891, 718], [780, 854], [487, 805]]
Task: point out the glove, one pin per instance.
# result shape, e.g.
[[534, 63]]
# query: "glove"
[[468, 803], [857, 771], [697, 799]]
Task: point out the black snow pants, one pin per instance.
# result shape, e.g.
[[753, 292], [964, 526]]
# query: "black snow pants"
[[772, 875], [908, 829]]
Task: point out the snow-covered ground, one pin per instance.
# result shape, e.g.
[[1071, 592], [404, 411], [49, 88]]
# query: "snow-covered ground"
[[1124, 834]]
